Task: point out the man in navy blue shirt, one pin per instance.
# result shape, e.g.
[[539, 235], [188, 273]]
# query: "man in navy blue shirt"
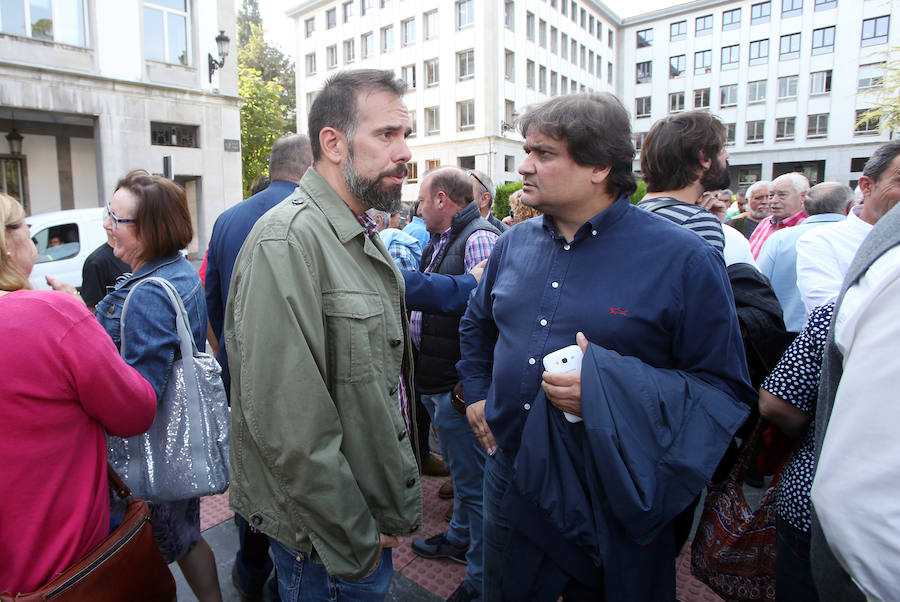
[[290, 157], [630, 281]]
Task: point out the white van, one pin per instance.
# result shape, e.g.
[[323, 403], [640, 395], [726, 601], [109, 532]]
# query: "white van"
[[64, 239]]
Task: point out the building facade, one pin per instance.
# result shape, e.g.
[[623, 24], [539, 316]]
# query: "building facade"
[[471, 67], [95, 88], [788, 77]]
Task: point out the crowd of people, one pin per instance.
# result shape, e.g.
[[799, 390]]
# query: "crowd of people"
[[345, 340]]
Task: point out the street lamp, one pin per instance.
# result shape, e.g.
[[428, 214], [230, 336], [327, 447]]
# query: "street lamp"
[[15, 142], [222, 44]]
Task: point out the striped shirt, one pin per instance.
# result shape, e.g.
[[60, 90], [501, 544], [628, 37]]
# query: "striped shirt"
[[693, 217]]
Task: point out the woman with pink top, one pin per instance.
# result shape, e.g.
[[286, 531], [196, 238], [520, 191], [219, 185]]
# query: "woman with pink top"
[[62, 386]]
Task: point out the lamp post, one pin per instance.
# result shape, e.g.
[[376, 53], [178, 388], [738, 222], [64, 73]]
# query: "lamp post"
[[222, 42], [15, 142]]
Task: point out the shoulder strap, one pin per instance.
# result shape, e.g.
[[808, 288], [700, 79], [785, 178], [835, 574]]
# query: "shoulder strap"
[[188, 346]]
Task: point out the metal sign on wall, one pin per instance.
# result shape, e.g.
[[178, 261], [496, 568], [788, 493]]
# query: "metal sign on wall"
[[232, 145]]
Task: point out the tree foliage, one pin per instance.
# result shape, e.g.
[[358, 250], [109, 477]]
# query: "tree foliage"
[[262, 122], [501, 198], [639, 192], [266, 84], [885, 98]]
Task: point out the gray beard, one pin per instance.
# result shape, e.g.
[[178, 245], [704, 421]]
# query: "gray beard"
[[370, 191]]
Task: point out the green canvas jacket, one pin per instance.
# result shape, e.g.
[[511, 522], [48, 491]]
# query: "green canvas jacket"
[[317, 337]]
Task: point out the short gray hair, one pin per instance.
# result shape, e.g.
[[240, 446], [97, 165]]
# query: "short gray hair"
[[483, 181], [755, 185], [828, 197], [798, 181], [290, 157]]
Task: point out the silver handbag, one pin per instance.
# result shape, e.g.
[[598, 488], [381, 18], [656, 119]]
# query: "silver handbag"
[[185, 452]]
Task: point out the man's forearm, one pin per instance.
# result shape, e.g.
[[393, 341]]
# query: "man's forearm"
[[437, 293]]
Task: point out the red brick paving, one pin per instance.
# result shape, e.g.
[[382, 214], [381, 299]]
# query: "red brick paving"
[[441, 577]]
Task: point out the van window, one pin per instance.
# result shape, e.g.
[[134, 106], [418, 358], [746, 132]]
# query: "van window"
[[57, 242]]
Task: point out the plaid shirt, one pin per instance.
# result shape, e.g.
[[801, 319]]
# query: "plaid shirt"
[[371, 230], [478, 248], [767, 227]]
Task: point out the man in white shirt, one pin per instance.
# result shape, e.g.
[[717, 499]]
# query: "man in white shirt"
[[777, 259], [823, 256], [856, 490]]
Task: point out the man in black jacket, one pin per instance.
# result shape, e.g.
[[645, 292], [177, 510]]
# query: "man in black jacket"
[[461, 238]]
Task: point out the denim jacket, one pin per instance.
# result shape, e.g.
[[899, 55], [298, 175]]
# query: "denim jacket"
[[150, 326]]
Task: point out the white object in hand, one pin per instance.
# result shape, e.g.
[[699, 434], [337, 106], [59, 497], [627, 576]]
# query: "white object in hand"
[[562, 361]]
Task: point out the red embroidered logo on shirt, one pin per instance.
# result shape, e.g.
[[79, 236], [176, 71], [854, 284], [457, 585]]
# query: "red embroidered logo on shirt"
[[618, 311]]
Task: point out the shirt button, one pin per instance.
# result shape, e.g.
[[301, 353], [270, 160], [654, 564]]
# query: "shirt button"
[[410, 482], [555, 284], [543, 322], [593, 233], [527, 406], [395, 342], [531, 361], [567, 247], [256, 520]]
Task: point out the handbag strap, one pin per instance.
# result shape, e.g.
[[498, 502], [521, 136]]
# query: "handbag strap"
[[116, 482], [188, 350], [739, 470]]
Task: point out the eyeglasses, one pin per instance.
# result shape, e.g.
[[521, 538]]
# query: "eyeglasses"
[[486, 189], [117, 220]]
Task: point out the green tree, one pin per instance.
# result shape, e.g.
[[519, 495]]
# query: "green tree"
[[501, 198], [639, 193], [265, 74], [262, 122], [886, 98]]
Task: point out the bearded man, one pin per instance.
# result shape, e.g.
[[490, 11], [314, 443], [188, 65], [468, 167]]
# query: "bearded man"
[[684, 155], [321, 360]]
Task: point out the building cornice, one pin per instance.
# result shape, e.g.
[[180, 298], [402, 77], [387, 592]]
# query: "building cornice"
[[674, 11], [115, 84]]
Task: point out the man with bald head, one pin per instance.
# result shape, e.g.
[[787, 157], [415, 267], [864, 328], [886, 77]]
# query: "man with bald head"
[[757, 209], [461, 238], [786, 195], [824, 256], [825, 204]]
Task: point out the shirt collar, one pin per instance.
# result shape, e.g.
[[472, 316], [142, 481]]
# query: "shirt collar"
[[599, 223], [790, 221]]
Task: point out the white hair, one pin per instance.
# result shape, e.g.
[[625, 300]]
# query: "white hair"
[[798, 181], [756, 185]]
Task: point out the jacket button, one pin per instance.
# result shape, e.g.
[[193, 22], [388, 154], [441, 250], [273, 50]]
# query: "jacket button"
[[401, 436], [395, 342], [256, 520], [414, 528], [394, 390], [410, 481], [111, 310]]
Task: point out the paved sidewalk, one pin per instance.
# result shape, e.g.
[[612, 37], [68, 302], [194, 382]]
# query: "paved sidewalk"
[[415, 579]]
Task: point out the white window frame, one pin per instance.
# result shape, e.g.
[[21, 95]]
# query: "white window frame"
[[465, 115], [465, 64], [465, 14], [166, 11]]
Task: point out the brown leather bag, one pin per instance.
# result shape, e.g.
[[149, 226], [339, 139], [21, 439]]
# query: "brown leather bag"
[[125, 566]]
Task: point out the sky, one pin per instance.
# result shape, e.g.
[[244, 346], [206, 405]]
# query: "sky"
[[279, 29]]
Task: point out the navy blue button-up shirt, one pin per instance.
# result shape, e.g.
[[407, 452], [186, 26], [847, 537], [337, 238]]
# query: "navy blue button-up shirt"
[[631, 281]]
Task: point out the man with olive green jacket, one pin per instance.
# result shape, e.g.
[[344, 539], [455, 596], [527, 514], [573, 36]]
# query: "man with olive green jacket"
[[321, 360]]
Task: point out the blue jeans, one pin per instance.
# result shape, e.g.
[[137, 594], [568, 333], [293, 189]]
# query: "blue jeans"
[[793, 575], [465, 459], [301, 580], [498, 472]]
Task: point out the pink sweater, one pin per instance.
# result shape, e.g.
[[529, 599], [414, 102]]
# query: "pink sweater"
[[62, 383]]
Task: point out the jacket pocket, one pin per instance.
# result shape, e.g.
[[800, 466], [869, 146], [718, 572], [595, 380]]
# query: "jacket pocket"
[[354, 325]]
